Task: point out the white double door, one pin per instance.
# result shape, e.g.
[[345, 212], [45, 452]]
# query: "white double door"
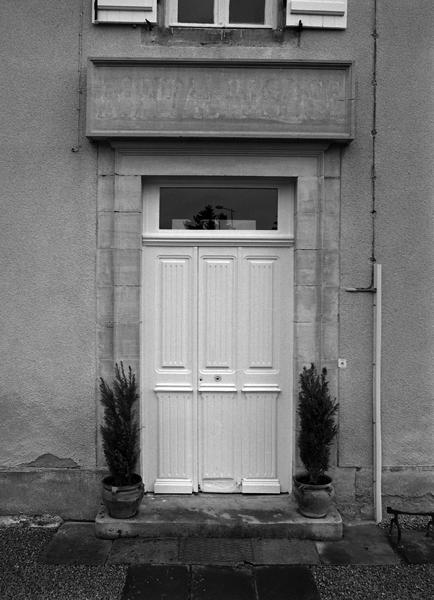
[[217, 362]]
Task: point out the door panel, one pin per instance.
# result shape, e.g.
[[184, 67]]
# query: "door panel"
[[169, 296], [175, 447], [266, 363], [217, 314], [217, 391], [218, 342], [218, 451]]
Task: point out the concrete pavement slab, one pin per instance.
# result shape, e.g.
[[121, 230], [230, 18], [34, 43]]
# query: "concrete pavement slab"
[[156, 582], [284, 552], [214, 551], [143, 551], [362, 545], [416, 547], [222, 583], [76, 543], [285, 583]]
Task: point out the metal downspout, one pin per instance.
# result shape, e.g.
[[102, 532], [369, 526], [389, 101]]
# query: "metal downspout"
[[376, 289], [376, 384]]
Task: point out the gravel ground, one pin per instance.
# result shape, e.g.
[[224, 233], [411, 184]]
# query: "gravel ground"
[[411, 522], [397, 582], [23, 578]]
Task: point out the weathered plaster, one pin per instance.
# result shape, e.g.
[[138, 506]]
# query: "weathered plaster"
[[47, 255], [73, 494], [51, 331], [405, 228], [409, 488], [49, 461]]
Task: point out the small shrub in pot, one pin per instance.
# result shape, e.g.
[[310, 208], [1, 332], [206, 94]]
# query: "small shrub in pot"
[[123, 488], [317, 411]]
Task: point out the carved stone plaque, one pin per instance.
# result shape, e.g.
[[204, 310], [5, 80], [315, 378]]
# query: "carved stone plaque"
[[274, 99]]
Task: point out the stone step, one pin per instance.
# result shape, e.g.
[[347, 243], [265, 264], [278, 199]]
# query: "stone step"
[[219, 515]]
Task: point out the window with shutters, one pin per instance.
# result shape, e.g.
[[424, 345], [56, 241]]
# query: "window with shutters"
[[124, 11], [318, 14], [222, 13]]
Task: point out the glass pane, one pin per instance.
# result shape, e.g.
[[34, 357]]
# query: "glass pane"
[[247, 11], [218, 208], [195, 11]]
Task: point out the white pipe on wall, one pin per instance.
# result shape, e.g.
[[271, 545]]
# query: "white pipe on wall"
[[377, 394]]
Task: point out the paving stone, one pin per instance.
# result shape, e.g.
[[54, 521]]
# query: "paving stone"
[[143, 551], [284, 552], [75, 543], [214, 551], [285, 583], [222, 583], [416, 547], [362, 545], [152, 582]]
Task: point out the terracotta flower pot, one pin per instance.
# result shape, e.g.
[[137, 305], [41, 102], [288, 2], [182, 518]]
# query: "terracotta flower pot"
[[314, 501], [122, 502]]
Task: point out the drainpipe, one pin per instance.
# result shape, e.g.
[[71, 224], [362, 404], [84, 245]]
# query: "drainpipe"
[[376, 289], [376, 383]]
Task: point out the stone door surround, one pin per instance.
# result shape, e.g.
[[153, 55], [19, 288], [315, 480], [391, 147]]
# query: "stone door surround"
[[315, 167]]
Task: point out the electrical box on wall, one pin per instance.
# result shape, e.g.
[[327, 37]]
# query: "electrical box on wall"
[[135, 12], [320, 14]]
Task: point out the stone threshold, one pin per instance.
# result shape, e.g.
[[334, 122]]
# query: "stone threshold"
[[219, 516]]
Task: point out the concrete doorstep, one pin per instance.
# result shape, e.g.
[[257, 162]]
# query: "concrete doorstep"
[[219, 516]]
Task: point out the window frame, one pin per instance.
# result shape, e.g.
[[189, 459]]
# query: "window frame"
[[221, 17], [285, 211]]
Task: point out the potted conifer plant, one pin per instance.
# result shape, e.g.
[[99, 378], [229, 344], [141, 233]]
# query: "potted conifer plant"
[[317, 411], [123, 488]]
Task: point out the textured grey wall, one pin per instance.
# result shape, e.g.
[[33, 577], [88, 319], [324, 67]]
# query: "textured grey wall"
[[47, 247], [406, 227]]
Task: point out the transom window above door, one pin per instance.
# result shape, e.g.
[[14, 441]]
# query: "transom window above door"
[[219, 208], [222, 13]]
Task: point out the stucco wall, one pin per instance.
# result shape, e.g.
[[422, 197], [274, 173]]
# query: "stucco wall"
[[405, 227], [48, 243]]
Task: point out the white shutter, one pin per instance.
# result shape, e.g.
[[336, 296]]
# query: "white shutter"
[[124, 11], [321, 14]]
